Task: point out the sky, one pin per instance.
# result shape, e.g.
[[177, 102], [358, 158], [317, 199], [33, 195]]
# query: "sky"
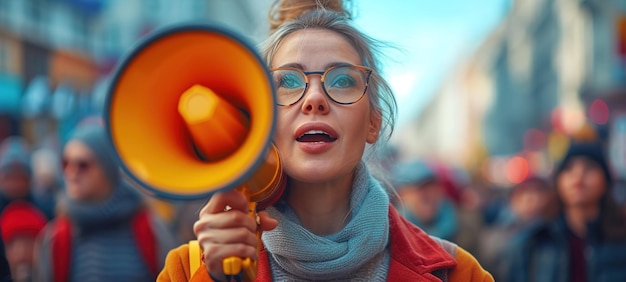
[[430, 36]]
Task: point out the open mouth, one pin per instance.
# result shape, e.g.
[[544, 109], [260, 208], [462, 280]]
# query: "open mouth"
[[316, 136]]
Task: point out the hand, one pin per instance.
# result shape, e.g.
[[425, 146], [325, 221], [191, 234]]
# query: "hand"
[[223, 233]]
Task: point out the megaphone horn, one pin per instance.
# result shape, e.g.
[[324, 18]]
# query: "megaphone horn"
[[190, 111]]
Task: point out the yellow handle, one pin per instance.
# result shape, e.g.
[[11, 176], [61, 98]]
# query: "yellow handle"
[[194, 256], [237, 265]]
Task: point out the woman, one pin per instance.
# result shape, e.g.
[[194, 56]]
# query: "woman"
[[105, 231], [335, 221], [587, 242]]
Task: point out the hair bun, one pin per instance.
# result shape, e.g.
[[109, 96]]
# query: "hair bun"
[[283, 11]]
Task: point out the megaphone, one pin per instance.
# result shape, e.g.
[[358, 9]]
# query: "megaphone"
[[191, 111]]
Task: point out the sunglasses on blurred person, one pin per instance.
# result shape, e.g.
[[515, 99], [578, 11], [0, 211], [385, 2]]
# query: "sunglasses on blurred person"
[[81, 165]]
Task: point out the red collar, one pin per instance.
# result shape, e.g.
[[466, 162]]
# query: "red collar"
[[413, 253]]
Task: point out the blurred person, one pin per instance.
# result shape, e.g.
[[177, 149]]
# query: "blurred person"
[[496, 200], [335, 221], [15, 171], [424, 201], [105, 231], [530, 202], [20, 223], [533, 199], [587, 241], [470, 214]]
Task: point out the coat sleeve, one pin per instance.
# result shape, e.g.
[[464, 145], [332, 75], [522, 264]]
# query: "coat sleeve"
[[177, 267], [468, 269]]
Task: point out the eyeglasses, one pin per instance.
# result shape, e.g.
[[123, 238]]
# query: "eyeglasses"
[[80, 165], [345, 84]]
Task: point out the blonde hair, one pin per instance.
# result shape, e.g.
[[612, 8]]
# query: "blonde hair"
[[283, 11]]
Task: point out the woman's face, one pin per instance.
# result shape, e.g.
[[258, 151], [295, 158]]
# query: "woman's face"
[[85, 179], [581, 183], [334, 134]]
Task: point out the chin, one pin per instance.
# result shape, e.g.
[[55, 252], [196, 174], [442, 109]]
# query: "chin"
[[309, 176], [313, 172], [74, 193]]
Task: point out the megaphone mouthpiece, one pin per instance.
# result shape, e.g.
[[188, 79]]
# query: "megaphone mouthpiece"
[[217, 128]]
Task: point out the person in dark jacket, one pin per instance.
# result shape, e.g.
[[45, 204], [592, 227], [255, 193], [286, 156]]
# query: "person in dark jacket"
[[587, 241]]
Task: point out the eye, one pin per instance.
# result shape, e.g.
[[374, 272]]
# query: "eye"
[[290, 80], [342, 81], [343, 78]]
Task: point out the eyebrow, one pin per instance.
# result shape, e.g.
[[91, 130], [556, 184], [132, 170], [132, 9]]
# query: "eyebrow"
[[329, 65]]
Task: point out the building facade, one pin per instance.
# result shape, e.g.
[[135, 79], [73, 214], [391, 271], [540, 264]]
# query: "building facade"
[[527, 86], [56, 55]]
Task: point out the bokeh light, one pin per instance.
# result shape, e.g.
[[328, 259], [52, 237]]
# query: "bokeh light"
[[599, 112], [517, 170]]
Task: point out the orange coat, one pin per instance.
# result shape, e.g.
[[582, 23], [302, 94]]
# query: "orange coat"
[[414, 256]]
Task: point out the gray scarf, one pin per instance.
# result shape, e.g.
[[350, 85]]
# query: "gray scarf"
[[338, 256]]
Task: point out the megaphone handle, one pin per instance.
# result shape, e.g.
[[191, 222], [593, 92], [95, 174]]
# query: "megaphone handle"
[[234, 267]]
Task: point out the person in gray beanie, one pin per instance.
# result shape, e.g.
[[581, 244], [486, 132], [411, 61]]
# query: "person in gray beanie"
[[587, 241], [424, 200], [115, 236], [15, 171]]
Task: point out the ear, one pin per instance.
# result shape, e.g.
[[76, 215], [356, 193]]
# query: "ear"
[[373, 130]]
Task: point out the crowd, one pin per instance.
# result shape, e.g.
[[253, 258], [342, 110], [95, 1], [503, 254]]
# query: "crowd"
[[75, 202], [68, 213]]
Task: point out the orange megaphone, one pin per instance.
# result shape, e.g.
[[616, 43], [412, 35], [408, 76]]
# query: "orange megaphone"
[[191, 111]]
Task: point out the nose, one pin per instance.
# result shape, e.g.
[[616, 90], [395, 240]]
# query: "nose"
[[70, 172], [315, 100]]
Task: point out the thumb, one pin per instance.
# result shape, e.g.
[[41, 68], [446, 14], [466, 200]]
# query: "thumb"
[[267, 222]]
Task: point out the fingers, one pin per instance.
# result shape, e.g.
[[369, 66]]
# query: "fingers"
[[214, 255], [218, 202], [224, 220], [220, 244], [267, 222], [222, 233]]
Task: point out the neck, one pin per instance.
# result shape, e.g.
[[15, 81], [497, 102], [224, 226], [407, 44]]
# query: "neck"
[[578, 216], [323, 208]]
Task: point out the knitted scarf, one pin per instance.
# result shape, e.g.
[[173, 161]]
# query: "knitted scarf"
[[119, 208], [338, 256], [105, 248]]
